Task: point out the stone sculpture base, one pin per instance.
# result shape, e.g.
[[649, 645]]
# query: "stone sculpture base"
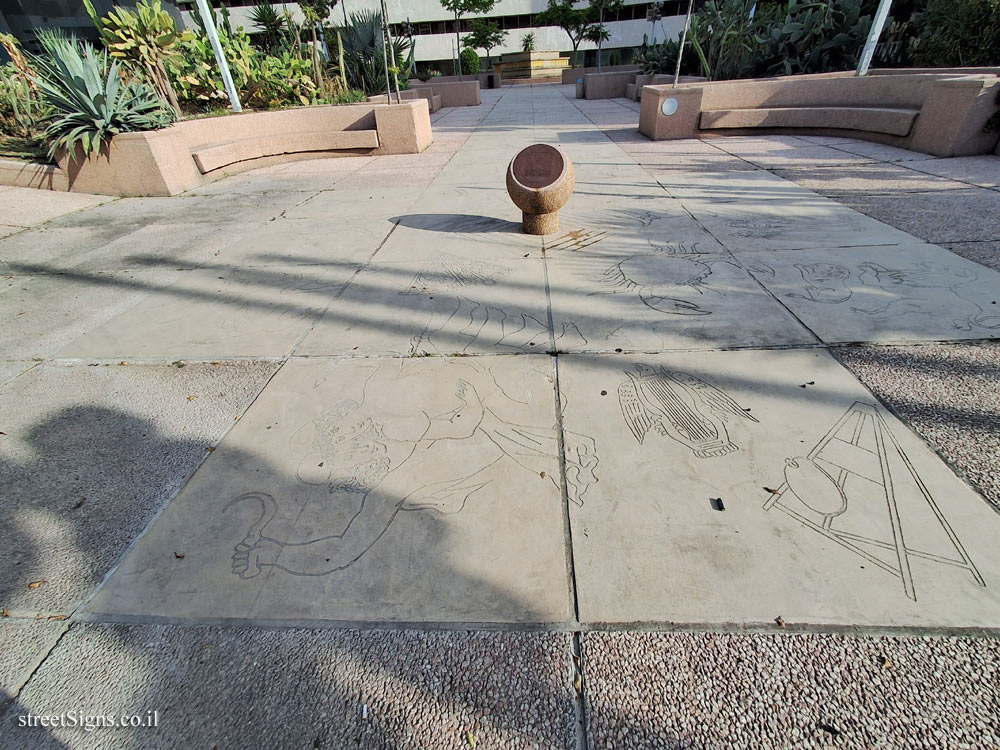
[[540, 223]]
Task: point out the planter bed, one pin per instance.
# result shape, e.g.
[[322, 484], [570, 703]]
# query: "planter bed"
[[191, 153]]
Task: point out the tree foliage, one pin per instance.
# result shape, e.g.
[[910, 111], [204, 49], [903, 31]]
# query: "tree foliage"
[[485, 35], [580, 24]]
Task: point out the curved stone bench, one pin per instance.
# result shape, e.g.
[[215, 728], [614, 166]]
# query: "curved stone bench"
[[190, 153], [872, 119], [216, 157], [940, 112]]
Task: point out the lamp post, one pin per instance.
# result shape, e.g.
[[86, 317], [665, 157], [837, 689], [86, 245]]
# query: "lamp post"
[[220, 56]]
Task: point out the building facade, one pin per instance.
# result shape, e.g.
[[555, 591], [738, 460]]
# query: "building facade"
[[433, 28], [23, 18]]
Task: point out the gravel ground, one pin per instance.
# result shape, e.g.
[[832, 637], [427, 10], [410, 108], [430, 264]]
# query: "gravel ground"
[[246, 687], [948, 393], [710, 690]]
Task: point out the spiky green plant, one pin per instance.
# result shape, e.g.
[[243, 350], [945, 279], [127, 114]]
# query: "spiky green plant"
[[362, 47], [90, 100]]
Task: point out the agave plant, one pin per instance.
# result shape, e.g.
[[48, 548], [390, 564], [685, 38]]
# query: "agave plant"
[[90, 100]]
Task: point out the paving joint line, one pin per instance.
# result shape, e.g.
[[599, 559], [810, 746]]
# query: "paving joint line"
[[11, 699]]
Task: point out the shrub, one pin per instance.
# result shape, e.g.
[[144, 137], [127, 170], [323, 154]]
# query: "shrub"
[[362, 54], [23, 113], [142, 39], [90, 99], [470, 62], [749, 39], [261, 80], [528, 42], [959, 33]]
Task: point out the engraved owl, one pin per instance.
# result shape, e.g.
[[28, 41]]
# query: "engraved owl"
[[679, 406]]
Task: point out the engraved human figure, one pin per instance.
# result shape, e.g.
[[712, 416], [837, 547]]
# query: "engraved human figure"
[[355, 447]]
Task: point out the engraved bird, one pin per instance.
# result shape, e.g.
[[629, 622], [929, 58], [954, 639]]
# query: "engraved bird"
[[679, 406]]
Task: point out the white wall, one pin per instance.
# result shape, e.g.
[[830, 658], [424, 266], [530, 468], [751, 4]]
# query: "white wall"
[[441, 46]]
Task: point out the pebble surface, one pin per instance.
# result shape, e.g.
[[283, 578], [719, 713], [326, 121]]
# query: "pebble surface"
[[760, 691], [321, 689], [948, 393]]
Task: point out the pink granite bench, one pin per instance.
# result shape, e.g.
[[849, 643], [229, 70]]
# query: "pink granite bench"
[[939, 112], [224, 154]]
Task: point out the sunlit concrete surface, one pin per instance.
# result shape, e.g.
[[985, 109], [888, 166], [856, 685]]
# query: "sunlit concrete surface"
[[331, 453]]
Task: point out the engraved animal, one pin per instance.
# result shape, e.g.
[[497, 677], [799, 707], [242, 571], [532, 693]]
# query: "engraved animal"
[[663, 279], [825, 282], [910, 285], [679, 406]]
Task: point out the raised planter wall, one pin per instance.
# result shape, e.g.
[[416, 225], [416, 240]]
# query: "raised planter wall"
[[572, 75], [171, 160], [607, 85], [483, 79], [944, 110], [453, 93]]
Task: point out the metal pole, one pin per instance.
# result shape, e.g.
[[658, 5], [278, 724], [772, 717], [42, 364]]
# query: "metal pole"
[[388, 34], [220, 55], [684, 35], [385, 62], [873, 36]]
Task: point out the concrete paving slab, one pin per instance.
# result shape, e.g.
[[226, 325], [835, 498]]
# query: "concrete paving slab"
[[26, 207], [90, 454], [985, 253], [247, 183], [44, 313], [718, 161], [749, 186], [26, 642], [756, 144], [657, 296], [782, 489], [741, 690], [787, 222], [911, 292], [305, 242], [336, 164], [447, 305], [946, 216], [882, 152], [370, 179], [422, 236], [258, 311], [372, 490], [131, 211], [975, 170], [807, 156], [48, 249], [373, 203], [10, 369], [328, 689], [866, 179]]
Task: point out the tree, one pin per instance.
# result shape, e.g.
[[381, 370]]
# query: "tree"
[[315, 12], [581, 24], [461, 8], [604, 7], [485, 35]]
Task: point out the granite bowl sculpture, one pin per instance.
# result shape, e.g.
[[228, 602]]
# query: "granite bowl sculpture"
[[540, 179]]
